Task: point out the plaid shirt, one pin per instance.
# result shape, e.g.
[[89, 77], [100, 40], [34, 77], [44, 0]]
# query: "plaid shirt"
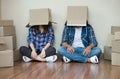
[[41, 39], [87, 35]]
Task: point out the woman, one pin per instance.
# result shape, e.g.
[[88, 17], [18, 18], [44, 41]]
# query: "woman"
[[40, 41]]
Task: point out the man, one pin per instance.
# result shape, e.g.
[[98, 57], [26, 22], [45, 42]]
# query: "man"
[[79, 44]]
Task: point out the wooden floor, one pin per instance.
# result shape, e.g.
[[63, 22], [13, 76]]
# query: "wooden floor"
[[60, 70]]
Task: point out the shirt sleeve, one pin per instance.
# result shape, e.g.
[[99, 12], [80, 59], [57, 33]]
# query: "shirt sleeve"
[[30, 37], [65, 35], [92, 38], [51, 37]]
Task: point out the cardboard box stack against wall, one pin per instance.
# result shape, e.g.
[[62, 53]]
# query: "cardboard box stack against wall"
[[112, 48], [7, 43]]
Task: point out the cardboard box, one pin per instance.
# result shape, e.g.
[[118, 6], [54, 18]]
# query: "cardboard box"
[[116, 46], [107, 52], [39, 16], [117, 36], [7, 31], [115, 58], [109, 40], [77, 15], [2, 45], [115, 29], [17, 55], [6, 58], [6, 22], [10, 42]]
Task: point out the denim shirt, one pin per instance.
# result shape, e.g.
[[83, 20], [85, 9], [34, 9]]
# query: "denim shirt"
[[87, 35]]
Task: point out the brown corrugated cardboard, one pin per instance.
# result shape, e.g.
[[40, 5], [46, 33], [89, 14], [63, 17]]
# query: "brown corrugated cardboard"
[[117, 36], [39, 16], [115, 29], [107, 52], [115, 58], [77, 15], [17, 55], [2, 45], [6, 22], [116, 46], [10, 42], [109, 40], [6, 58], [7, 31]]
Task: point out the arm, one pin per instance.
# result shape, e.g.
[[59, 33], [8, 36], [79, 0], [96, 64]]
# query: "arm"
[[92, 41], [30, 42], [65, 37]]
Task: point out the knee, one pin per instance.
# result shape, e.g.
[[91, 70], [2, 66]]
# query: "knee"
[[98, 51], [22, 49], [61, 50]]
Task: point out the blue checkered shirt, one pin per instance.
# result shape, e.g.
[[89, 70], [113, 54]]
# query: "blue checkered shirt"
[[41, 39]]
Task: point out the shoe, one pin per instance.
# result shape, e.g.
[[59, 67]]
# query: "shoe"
[[26, 59], [94, 59], [51, 58], [66, 60]]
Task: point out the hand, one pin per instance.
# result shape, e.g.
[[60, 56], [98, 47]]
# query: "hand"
[[42, 54], [33, 54], [70, 49], [87, 51]]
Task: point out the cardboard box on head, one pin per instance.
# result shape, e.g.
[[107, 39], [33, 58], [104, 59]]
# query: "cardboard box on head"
[[77, 15], [40, 16]]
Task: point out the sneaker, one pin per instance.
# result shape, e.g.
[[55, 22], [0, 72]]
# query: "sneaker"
[[94, 59], [66, 60], [26, 59], [51, 58]]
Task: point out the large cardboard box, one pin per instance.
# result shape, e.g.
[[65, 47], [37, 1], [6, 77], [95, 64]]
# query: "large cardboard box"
[[40, 16], [2, 45], [17, 55], [115, 58], [117, 36], [116, 46], [115, 29], [6, 58], [109, 40], [6, 22], [77, 15], [10, 42], [7, 31], [107, 52]]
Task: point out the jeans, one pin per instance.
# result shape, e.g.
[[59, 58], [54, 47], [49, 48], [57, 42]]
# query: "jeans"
[[78, 53]]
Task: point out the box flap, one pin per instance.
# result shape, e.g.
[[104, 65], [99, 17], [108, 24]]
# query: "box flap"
[[77, 15], [39, 16], [2, 40]]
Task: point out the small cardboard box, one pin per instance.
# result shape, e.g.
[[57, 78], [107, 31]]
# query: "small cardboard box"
[[6, 58], [7, 31], [117, 36], [10, 42], [116, 46], [2, 45], [6, 22], [107, 52], [39, 16], [17, 55], [77, 15], [115, 29], [109, 40], [115, 58]]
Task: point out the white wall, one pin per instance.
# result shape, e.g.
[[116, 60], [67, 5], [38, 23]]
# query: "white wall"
[[0, 9], [102, 14]]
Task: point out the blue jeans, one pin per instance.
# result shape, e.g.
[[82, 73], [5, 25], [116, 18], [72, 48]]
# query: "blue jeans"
[[78, 53]]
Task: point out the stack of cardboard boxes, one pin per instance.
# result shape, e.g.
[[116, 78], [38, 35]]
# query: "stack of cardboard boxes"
[[7, 43], [112, 49]]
